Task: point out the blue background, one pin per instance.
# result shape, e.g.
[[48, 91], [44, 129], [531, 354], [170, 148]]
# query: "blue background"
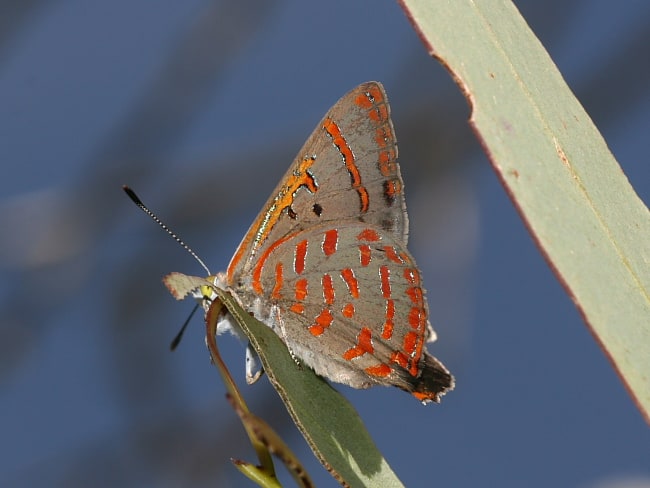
[[201, 106]]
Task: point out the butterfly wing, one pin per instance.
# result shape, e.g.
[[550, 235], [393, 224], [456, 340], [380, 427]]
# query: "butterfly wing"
[[347, 170], [348, 302]]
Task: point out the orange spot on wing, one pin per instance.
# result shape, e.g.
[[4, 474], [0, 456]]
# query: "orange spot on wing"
[[387, 331], [373, 98], [364, 345], [301, 289], [300, 255], [392, 255], [363, 101], [410, 341], [425, 395], [400, 358], [297, 308], [414, 340], [411, 275], [351, 281], [369, 235], [380, 114], [415, 294], [348, 310], [415, 317], [381, 370], [392, 188], [330, 242], [328, 289], [364, 254], [322, 322], [386, 161], [384, 135]]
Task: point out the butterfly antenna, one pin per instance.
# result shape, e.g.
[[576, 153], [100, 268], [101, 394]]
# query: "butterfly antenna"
[[155, 218], [179, 336]]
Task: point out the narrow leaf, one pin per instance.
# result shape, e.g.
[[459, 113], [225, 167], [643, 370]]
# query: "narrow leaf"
[[577, 203]]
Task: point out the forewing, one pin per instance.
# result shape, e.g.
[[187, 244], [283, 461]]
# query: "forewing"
[[346, 171]]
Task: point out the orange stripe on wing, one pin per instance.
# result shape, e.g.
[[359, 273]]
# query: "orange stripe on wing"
[[257, 271], [299, 257], [279, 281], [351, 281], [339, 141], [364, 254], [328, 289], [266, 220], [330, 242], [387, 331]]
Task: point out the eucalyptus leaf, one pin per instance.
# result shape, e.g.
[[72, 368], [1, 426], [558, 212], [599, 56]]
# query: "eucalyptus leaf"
[[577, 203]]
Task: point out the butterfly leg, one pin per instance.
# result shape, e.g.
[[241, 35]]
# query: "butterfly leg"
[[254, 368]]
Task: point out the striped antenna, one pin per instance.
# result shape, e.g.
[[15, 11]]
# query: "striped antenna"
[[155, 218]]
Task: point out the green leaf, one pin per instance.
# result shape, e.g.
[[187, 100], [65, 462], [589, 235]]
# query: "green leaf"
[[578, 205], [326, 419], [275, 445]]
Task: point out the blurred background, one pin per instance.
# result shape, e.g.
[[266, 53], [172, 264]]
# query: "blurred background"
[[200, 106]]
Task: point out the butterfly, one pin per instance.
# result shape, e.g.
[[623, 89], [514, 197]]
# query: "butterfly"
[[325, 263]]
